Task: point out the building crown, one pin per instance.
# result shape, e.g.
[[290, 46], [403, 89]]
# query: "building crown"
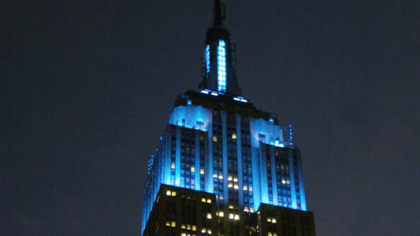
[[219, 60]]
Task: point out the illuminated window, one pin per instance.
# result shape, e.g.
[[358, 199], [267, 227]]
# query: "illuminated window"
[[209, 216], [194, 228], [214, 139], [221, 66], [220, 176], [245, 187], [221, 214], [235, 179], [203, 230], [173, 224], [273, 220], [202, 171], [236, 217], [173, 166], [233, 136], [182, 226], [207, 57], [231, 216], [168, 193], [208, 200], [203, 200], [192, 169], [168, 223]]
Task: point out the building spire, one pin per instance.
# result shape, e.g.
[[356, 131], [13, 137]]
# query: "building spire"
[[218, 13], [219, 72]]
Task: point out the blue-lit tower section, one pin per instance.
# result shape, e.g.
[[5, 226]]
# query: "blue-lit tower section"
[[218, 142]]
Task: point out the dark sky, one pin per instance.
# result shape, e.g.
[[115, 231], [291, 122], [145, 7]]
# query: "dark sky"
[[90, 84]]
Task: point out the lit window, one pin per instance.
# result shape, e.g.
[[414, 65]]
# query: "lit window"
[[183, 234], [202, 171], [236, 186], [208, 200], [251, 210], [230, 185], [235, 179], [273, 220], [173, 166], [168, 193], [231, 216], [236, 217], [214, 139], [168, 223], [214, 175], [230, 206], [230, 178], [209, 231], [250, 188], [221, 197], [173, 224], [192, 169], [233, 136], [203, 230], [246, 209], [173, 194], [221, 66], [209, 216], [203, 200], [207, 57], [221, 214], [182, 226], [194, 228], [268, 219]]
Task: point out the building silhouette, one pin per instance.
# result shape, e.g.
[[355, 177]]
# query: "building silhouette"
[[224, 167]]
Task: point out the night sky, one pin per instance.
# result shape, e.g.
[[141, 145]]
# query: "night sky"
[[90, 84]]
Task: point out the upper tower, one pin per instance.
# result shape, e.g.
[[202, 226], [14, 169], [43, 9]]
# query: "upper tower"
[[219, 57]]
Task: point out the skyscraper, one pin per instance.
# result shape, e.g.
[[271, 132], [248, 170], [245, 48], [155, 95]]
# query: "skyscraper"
[[217, 142]]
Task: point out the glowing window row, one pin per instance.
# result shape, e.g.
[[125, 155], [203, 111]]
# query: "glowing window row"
[[206, 200], [170, 224], [246, 209], [189, 227], [170, 193], [204, 230], [271, 220]]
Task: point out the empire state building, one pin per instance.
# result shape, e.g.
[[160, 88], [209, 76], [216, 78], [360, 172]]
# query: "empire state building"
[[224, 167]]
